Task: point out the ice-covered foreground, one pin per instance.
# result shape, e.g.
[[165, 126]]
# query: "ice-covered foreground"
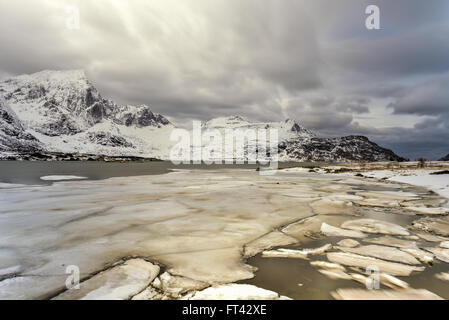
[[196, 224], [424, 178]]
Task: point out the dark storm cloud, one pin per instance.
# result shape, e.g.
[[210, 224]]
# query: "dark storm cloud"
[[419, 53], [265, 59], [429, 98]]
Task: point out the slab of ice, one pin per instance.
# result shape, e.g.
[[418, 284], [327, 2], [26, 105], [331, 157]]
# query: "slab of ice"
[[329, 230], [382, 252], [268, 241], [404, 294], [375, 226], [335, 274], [61, 177], [355, 260], [443, 276], [290, 253], [439, 225], [120, 282], [444, 244], [430, 237], [440, 253], [392, 242], [426, 210], [384, 278], [392, 281], [348, 243], [237, 292], [174, 287], [309, 228], [329, 206], [327, 265], [421, 255]]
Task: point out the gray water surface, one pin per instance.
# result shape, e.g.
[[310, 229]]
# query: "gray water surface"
[[29, 172]]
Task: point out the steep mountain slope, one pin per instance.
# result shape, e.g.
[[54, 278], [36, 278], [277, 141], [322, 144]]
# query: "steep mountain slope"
[[446, 158], [13, 138], [61, 111]]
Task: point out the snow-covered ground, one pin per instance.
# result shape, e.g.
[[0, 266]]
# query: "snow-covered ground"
[[422, 178]]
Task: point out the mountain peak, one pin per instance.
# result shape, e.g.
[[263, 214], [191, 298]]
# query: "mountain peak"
[[236, 118], [229, 121], [60, 76]]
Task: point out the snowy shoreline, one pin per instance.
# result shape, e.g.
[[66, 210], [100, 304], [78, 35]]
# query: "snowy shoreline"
[[421, 178]]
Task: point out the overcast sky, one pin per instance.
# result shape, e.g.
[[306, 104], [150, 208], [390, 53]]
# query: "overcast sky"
[[309, 60]]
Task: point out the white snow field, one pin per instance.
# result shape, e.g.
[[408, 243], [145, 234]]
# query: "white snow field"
[[423, 178]]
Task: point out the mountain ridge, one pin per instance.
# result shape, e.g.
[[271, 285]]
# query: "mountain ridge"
[[61, 111]]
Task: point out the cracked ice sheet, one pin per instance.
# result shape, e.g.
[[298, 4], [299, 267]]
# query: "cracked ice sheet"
[[196, 232], [195, 222]]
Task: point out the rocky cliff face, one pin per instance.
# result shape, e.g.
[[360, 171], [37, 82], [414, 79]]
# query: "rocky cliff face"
[[350, 148], [13, 138], [64, 112], [61, 111]]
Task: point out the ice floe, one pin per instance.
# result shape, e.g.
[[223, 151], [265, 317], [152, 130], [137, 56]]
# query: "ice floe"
[[443, 276], [375, 226], [268, 241], [444, 244], [382, 252], [404, 294], [440, 253], [237, 292], [392, 242], [348, 243], [439, 226], [355, 260], [61, 177], [329, 230], [291, 253], [120, 282]]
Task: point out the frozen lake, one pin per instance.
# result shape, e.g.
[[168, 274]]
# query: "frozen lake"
[[193, 223]]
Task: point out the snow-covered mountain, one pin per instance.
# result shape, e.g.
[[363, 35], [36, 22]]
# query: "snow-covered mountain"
[[300, 144], [61, 111], [446, 158], [66, 113]]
